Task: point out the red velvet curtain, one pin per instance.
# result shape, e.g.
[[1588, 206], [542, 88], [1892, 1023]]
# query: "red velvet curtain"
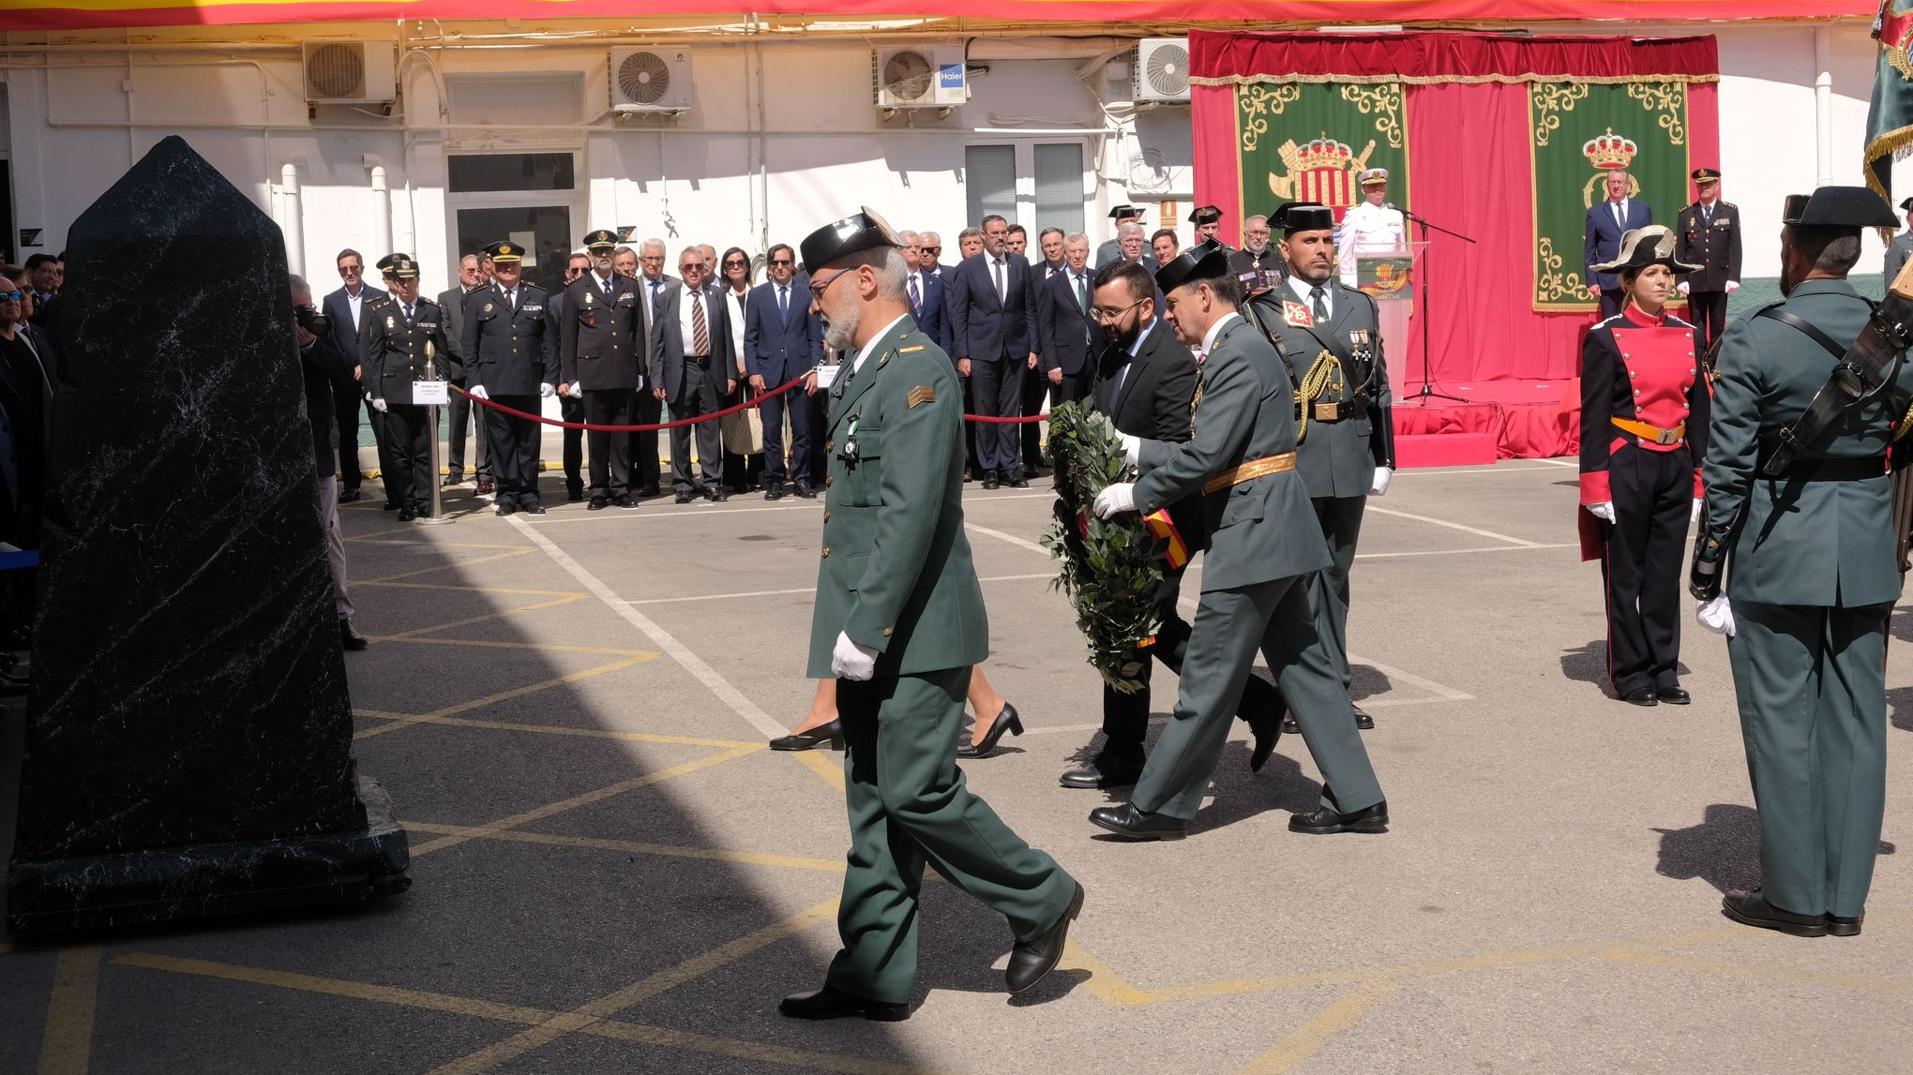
[[1470, 170]]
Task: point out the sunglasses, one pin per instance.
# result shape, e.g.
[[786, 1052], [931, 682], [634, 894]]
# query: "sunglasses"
[[931, 249], [781, 261], [12, 296], [738, 263]]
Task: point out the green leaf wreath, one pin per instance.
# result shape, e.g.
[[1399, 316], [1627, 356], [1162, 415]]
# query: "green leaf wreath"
[[1110, 567]]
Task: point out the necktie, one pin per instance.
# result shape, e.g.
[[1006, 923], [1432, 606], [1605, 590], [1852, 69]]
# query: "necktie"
[[607, 288], [783, 301], [1707, 212], [1321, 303], [1619, 220], [511, 300], [1082, 294], [700, 332], [408, 313], [998, 267], [916, 299]]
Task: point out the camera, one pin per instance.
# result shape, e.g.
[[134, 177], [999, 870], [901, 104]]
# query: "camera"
[[310, 319]]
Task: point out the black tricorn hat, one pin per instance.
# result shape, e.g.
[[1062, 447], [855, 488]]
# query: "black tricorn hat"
[[854, 234], [1307, 216], [1907, 205], [1204, 214], [1203, 261], [1124, 212], [1838, 207], [1641, 247]]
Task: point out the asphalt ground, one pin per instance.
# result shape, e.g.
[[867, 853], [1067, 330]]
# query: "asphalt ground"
[[612, 874]]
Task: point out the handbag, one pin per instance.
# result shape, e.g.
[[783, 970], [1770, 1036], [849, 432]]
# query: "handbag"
[[743, 432]]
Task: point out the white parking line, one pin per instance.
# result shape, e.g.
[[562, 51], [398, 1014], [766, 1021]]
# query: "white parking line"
[[704, 510], [1476, 531], [1458, 552], [802, 590]]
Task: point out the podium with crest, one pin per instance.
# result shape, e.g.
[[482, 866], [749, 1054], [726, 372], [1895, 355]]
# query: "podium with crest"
[[1391, 274]]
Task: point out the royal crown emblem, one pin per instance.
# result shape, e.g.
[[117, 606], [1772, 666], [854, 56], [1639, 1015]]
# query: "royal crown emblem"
[[1322, 170], [1610, 151]]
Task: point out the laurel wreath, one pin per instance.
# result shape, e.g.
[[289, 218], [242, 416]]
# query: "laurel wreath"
[[1110, 568]]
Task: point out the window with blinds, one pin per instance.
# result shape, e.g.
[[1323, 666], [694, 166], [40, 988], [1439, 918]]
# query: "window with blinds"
[[1059, 187], [989, 182]]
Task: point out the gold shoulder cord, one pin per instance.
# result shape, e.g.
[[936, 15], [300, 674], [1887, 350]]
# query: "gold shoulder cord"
[[1324, 375]]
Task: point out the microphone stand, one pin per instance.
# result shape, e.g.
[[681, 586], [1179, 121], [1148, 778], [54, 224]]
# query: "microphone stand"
[[1427, 382]]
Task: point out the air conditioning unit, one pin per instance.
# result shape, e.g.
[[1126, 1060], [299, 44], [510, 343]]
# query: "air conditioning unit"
[[919, 77], [350, 73], [650, 81], [1161, 72]]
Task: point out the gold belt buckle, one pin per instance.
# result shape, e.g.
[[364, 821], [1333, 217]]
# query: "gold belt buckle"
[[1668, 436], [1328, 412]]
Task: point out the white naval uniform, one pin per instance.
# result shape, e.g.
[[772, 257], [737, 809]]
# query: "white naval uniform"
[[1368, 230]]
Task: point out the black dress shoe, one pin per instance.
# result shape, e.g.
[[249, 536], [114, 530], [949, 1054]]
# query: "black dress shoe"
[[1752, 909], [1132, 824], [718, 496], [1029, 963], [534, 509], [681, 498], [1673, 696], [350, 494], [572, 496], [390, 505], [1322, 821], [1102, 774], [1644, 696], [450, 480], [504, 508], [805, 492], [989, 479], [831, 1003], [484, 487], [832, 733], [1844, 927], [1006, 721], [598, 503], [406, 514], [1268, 732], [650, 490], [775, 492], [1289, 727], [624, 502], [1363, 722], [350, 638], [1020, 483]]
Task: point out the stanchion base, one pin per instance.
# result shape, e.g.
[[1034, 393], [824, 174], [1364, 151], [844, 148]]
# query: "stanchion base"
[[435, 520]]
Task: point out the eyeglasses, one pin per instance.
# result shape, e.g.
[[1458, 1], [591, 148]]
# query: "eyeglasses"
[[573, 270], [12, 296], [782, 261], [818, 287], [931, 249], [689, 266], [654, 259], [738, 263], [1104, 313]]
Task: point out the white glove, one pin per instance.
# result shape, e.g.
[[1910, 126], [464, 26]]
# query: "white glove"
[[1132, 448], [1379, 487], [851, 661], [478, 392], [379, 406], [1716, 615], [1695, 516], [577, 390], [1733, 286], [1681, 287], [545, 390], [1604, 510], [1115, 498]]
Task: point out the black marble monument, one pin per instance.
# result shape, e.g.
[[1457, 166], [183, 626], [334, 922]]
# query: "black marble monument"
[[188, 747]]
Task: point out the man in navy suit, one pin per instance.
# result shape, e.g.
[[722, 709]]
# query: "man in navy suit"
[[1606, 223], [781, 340], [692, 367], [1069, 331], [345, 308], [925, 290], [990, 326]]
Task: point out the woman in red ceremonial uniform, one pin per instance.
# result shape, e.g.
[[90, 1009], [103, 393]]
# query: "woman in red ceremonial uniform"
[[1643, 433]]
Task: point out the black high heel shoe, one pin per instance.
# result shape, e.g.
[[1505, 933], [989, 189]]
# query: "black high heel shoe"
[[1006, 721], [832, 733]]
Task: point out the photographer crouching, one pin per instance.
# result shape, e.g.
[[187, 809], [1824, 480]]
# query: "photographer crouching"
[[323, 366]]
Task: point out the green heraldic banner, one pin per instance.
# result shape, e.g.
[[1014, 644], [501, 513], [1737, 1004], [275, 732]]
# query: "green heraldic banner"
[[1580, 133], [1308, 140]]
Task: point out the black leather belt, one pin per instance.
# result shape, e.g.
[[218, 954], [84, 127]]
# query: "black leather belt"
[[1830, 470], [698, 360]]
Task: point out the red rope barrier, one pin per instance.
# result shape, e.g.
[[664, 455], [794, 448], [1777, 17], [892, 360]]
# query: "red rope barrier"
[[681, 422]]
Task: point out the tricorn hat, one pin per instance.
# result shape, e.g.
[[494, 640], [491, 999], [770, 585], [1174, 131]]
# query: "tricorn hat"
[[505, 253], [1307, 216], [1907, 205], [860, 231], [1641, 247], [1208, 260], [1205, 214], [1124, 212], [1838, 207]]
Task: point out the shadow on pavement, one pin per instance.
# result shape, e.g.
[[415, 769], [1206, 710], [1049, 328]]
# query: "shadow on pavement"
[[1723, 850]]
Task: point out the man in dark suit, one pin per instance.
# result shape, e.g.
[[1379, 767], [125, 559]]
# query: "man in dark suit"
[[1607, 222], [571, 408], [925, 290], [1072, 341], [782, 340], [1036, 382], [345, 308], [692, 367], [461, 412], [600, 351], [511, 355], [652, 280], [1709, 236], [990, 324], [1145, 381]]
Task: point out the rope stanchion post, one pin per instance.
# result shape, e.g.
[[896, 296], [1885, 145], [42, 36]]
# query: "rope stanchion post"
[[438, 516]]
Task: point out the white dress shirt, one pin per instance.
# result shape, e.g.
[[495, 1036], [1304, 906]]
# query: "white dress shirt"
[[1302, 288], [684, 322], [736, 310], [871, 346], [355, 302], [1209, 337]]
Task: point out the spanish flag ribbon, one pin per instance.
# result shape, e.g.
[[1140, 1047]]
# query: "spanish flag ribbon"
[[1175, 550]]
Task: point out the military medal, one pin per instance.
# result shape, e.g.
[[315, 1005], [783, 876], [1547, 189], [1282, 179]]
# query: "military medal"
[[849, 454]]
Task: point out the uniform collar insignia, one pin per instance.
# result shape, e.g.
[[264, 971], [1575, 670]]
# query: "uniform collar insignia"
[[1297, 314]]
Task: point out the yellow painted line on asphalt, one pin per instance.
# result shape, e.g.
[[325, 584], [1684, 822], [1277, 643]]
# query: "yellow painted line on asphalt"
[[1322, 1027], [1104, 983], [66, 1047], [536, 606], [827, 772], [637, 992], [746, 1050], [581, 733], [633, 847], [586, 799], [437, 716], [518, 550], [1643, 958]]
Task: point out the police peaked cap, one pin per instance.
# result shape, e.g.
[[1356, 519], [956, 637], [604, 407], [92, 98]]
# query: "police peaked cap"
[[402, 266], [1208, 260], [1706, 175], [1307, 216], [1838, 207], [385, 263], [504, 253], [602, 239], [854, 234]]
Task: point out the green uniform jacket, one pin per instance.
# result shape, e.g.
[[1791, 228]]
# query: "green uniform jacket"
[[1263, 529], [1336, 459], [1827, 543], [896, 573]]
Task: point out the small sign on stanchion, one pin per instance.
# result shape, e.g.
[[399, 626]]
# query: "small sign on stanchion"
[[431, 394]]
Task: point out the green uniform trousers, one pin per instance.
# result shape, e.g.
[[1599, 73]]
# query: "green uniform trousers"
[[908, 807], [1341, 519], [1231, 625], [1811, 681]]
